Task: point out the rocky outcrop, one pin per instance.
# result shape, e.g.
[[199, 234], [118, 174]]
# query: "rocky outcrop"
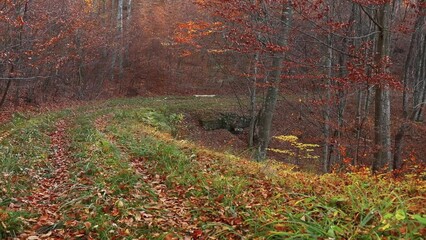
[[232, 122]]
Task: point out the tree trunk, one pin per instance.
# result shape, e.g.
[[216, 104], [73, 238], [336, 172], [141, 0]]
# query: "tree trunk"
[[253, 93], [327, 140], [409, 70], [3, 98], [382, 138], [265, 123], [8, 73], [420, 87], [120, 36], [128, 23], [362, 99]]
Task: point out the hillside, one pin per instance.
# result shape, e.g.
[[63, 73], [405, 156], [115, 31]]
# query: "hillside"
[[121, 170]]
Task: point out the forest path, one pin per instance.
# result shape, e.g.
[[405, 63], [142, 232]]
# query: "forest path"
[[164, 208], [52, 184]]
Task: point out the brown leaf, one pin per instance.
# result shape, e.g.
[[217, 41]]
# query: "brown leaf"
[[170, 236], [87, 225], [220, 198], [280, 227], [115, 212], [46, 235]]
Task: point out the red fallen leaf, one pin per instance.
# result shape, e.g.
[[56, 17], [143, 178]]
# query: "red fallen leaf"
[[84, 217], [197, 233], [123, 186], [280, 227], [422, 231], [220, 198], [107, 209]]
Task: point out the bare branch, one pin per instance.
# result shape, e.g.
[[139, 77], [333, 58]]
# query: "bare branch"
[[28, 78]]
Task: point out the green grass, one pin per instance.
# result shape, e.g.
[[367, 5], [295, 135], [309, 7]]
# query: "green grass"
[[23, 149], [130, 178]]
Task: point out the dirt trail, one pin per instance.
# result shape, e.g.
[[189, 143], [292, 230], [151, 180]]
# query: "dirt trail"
[[52, 183], [166, 211], [171, 211]]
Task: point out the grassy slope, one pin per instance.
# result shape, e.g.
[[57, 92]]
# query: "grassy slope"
[[127, 177]]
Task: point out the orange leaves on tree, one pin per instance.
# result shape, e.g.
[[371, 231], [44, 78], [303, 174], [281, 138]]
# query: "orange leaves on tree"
[[189, 31], [185, 53], [21, 22], [371, 2]]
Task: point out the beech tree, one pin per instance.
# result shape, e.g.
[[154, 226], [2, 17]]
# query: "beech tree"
[[382, 128], [413, 78], [283, 31]]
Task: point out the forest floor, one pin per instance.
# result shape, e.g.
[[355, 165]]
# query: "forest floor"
[[126, 169]]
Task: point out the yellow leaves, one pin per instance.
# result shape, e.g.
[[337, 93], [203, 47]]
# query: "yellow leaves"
[[188, 31], [217, 51], [119, 204], [301, 150], [390, 219], [287, 138], [89, 3], [288, 152], [400, 215], [293, 140], [200, 2], [385, 227]]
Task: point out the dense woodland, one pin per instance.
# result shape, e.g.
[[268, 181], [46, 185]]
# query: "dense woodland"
[[212, 119], [352, 71], [357, 68]]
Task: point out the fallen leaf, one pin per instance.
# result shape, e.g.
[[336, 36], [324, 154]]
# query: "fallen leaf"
[[220, 198], [46, 235], [170, 236], [197, 233], [33, 238], [115, 212], [120, 204], [280, 227], [137, 216], [87, 225]]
